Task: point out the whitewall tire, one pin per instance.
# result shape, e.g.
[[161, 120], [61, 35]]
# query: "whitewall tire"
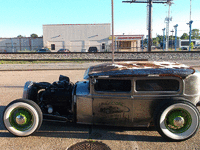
[[178, 121], [22, 117]]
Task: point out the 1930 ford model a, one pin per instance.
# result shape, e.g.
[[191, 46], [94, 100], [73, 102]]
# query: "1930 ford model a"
[[128, 94]]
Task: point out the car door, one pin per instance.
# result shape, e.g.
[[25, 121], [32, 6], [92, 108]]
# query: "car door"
[[112, 102]]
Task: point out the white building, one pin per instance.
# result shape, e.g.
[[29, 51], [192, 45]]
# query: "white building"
[[20, 44], [76, 37]]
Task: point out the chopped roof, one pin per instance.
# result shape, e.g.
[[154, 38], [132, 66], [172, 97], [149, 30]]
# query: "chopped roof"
[[139, 68]]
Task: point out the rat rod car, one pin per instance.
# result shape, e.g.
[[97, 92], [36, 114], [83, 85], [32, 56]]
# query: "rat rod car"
[[131, 94]]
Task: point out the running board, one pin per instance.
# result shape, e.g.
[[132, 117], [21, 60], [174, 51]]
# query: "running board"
[[49, 117]]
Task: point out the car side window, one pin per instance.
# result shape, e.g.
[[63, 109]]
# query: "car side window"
[[112, 85], [157, 85]]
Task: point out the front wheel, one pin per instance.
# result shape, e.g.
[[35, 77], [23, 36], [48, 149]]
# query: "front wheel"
[[22, 117], [177, 121]]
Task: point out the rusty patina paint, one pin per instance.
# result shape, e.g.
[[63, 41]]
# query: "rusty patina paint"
[[139, 68]]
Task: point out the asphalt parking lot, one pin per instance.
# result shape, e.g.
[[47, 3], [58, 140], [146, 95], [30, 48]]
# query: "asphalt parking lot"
[[62, 135]]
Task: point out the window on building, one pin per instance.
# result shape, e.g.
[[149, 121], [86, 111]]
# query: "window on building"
[[186, 43], [103, 45], [125, 44], [157, 85], [111, 85], [53, 46]]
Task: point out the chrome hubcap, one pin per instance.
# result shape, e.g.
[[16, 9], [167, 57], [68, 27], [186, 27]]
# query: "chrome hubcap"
[[179, 121], [20, 119]]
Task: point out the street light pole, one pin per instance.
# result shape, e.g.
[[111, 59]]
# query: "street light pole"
[[190, 26], [172, 39], [163, 39], [175, 35]]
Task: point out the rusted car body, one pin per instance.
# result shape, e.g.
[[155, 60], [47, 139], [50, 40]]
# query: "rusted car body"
[[132, 94]]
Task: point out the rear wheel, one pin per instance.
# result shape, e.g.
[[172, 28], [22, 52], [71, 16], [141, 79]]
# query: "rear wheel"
[[177, 121], [22, 117]]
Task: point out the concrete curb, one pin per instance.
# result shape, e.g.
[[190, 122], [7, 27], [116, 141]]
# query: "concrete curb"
[[42, 69], [71, 66], [51, 69]]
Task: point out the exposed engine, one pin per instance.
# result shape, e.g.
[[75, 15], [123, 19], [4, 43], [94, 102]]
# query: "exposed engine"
[[54, 99]]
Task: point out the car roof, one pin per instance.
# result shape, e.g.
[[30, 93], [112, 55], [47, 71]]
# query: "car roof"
[[139, 68]]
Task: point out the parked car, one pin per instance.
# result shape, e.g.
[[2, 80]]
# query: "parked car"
[[184, 48], [43, 50], [63, 50], [92, 49], [130, 94]]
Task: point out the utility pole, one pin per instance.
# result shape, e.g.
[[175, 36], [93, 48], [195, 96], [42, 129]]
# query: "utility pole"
[[150, 30], [142, 43], [163, 39], [150, 2], [147, 37], [113, 45], [190, 25], [168, 19], [175, 27]]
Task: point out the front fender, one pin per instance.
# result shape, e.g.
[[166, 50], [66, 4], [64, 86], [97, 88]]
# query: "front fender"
[[27, 86]]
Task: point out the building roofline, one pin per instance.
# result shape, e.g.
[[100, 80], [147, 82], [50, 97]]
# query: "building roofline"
[[129, 35], [75, 24]]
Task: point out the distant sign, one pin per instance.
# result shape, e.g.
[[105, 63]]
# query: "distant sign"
[[110, 37]]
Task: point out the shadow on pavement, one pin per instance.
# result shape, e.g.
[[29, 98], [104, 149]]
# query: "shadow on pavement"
[[1, 118], [11, 86], [72, 130], [64, 130]]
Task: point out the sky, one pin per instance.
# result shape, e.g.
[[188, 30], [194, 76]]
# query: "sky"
[[24, 17]]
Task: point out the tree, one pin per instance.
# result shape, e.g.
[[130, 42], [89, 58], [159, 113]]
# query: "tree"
[[155, 41], [20, 36], [145, 41], [34, 35], [192, 45], [195, 34], [160, 38], [185, 36]]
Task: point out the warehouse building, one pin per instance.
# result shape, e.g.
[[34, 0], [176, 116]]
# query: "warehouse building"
[[80, 37], [76, 37], [20, 44]]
